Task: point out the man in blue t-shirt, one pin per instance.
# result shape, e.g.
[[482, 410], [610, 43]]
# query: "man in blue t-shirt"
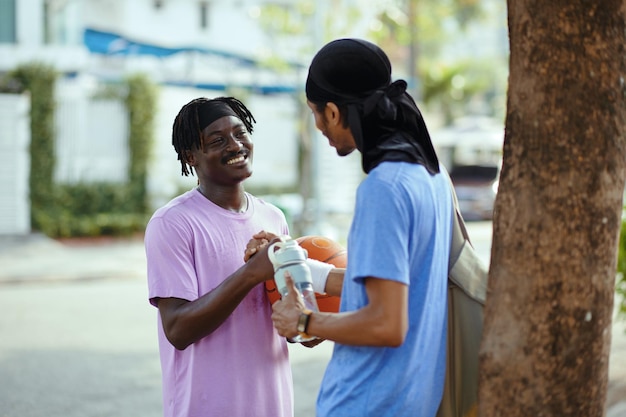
[[390, 334]]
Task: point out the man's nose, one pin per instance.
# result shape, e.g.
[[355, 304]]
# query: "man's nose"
[[234, 143]]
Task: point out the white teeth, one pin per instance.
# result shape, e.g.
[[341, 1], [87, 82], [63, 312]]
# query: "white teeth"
[[235, 160]]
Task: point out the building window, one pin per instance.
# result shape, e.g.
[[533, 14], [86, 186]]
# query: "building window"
[[57, 23], [204, 14], [7, 21]]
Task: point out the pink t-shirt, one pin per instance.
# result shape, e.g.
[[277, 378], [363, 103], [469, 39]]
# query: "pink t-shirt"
[[242, 368]]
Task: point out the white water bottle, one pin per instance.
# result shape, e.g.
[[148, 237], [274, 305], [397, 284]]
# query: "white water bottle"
[[288, 255]]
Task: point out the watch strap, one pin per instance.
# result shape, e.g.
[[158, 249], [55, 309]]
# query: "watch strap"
[[303, 322]]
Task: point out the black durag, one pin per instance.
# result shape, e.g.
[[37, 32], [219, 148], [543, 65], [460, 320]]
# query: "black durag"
[[382, 116]]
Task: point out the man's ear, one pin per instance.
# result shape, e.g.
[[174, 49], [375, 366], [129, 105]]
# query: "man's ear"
[[331, 111], [190, 159]]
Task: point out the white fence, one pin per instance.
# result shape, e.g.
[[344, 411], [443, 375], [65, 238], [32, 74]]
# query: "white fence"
[[91, 139], [14, 164]]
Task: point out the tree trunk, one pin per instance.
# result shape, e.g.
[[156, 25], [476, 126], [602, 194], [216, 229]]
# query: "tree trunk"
[[547, 329]]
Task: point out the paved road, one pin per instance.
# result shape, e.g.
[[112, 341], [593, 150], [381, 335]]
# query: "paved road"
[[89, 349], [78, 339]]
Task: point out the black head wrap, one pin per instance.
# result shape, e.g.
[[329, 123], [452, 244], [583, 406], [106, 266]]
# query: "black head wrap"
[[210, 111], [384, 119]]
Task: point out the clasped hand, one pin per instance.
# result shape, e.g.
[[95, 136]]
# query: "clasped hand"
[[257, 242], [286, 311]]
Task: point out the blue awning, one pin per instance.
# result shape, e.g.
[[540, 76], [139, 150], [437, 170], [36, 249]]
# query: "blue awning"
[[109, 43]]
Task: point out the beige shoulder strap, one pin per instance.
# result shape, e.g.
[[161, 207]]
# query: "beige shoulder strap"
[[465, 269]]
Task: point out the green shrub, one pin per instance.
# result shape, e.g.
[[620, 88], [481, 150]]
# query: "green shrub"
[[92, 209], [141, 105], [39, 80], [63, 224]]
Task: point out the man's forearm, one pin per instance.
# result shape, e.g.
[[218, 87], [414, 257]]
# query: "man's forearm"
[[334, 283]]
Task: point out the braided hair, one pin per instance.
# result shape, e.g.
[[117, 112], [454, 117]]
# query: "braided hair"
[[187, 129]]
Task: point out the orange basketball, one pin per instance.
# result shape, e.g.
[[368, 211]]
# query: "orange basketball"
[[321, 249]]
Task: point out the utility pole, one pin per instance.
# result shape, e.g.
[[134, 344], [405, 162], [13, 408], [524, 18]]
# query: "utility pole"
[[310, 147], [414, 81], [316, 204]]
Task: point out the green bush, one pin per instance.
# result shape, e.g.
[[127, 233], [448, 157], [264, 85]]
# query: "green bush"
[[92, 210], [39, 80], [141, 105], [85, 209], [63, 224]]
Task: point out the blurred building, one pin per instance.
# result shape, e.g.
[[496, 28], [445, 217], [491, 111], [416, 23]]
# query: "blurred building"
[[191, 48]]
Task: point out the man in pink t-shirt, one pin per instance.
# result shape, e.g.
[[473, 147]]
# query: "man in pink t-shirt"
[[220, 355]]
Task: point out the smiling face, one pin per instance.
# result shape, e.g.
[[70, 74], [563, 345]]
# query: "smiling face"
[[330, 123], [225, 158]]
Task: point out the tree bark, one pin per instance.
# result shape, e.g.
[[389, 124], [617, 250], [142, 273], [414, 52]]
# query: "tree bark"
[[547, 329]]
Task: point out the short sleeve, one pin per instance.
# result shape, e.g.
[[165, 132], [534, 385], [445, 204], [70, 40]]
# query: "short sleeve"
[[170, 263], [379, 233]]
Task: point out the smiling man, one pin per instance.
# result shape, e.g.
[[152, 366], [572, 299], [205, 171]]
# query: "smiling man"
[[220, 355]]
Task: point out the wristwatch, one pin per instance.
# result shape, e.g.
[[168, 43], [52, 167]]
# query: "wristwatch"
[[303, 322]]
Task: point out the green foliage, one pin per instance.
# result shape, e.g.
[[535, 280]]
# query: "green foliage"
[[426, 27], [112, 209], [621, 271], [39, 80], [141, 105], [85, 209], [451, 87], [299, 25], [448, 82], [286, 19], [433, 23], [92, 210]]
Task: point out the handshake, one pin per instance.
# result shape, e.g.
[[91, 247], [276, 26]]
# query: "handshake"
[[323, 255], [302, 268]]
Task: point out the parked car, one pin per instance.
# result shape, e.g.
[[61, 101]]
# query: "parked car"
[[476, 187], [471, 151]]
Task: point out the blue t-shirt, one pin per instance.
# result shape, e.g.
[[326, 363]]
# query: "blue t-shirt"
[[401, 231]]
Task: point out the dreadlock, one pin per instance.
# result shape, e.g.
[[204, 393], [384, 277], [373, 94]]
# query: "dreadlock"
[[186, 132]]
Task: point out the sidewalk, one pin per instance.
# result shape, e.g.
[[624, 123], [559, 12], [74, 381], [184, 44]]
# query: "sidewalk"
[[36, 258]]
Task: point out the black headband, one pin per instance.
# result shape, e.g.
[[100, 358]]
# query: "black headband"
[[210, 111]]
